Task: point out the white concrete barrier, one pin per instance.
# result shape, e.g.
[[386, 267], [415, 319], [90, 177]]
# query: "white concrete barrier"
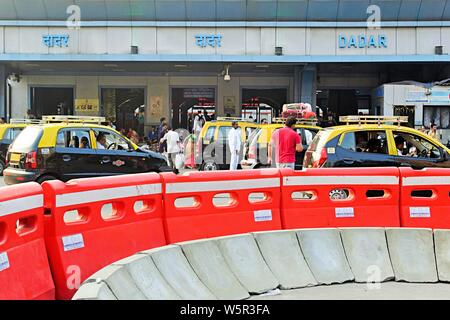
[[120, 282], [177, 271], [94, 291], [323, 251], [244, 258], [412, 254], [210, 266], [442, 249], [282, 253], [232, 267], [367, 254], [147, 278]]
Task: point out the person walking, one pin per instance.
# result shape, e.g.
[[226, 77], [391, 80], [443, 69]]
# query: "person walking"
[[199, 121], [234, 143], [173, 146], [286, 142]]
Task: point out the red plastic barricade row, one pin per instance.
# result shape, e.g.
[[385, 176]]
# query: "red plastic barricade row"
[[209, 204], [24, 269], [425, 198], [111, 218], [340, 197]]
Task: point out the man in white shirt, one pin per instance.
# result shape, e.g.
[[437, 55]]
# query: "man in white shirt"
[[173, 141], [234, 143], [101, 141], [199, 120]]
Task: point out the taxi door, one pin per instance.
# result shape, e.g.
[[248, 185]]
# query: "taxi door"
[[118, 156]]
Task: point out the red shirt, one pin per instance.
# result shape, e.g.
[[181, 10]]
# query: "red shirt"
[[284, 140]]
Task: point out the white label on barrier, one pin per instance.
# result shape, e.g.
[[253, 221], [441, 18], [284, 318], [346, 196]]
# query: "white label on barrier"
[[345, 212], [4, 261], [73, 242], [419, 212], [263, 215]]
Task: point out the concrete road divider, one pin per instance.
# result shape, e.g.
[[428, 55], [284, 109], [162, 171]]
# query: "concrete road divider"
[[178, 273], [412, 254], [323, 251], [205, 256], [442, 249], [254, 263], [282, 254], [94, 291], [147, 278], [119, 281], [367, 254], [244, 258]]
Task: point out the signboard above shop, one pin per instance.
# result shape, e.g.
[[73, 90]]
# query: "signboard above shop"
[[362, 41]]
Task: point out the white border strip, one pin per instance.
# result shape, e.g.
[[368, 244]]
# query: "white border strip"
[[426, 181], [21, 204], [184, 187], [70, 199], [340, 180]]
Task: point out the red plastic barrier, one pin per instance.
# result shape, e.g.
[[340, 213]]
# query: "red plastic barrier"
[[340, 197], [425, 198], [79, 248], [204, 216], [24, 269]]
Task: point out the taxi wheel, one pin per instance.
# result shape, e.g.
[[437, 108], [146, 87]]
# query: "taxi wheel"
[[2, 167], [209, 165], [43, 178]]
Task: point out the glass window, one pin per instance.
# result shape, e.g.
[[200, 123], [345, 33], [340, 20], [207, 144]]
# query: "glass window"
[[12, 133], [111, 140], [348, 142], [223, 133], [308, 136], [440, 115], [27, 140], [365, 141], [73, 138], [210, 133], [410, 145]]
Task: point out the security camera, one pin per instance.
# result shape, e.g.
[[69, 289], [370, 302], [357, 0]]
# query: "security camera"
[[227, 77], [14, 77]]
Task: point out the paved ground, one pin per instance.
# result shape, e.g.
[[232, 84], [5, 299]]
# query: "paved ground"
[[2, 183], [360, 291]]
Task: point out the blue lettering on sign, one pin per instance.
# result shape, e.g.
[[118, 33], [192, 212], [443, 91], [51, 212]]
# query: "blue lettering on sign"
[[203, 40], [361, 41], [59, 40]]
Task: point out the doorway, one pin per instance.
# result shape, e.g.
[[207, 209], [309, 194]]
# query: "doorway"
[[120, 105], [51, 101], [259, 104], [186, 102]]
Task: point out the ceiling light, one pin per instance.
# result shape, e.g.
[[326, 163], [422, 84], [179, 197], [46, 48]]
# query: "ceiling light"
[[111, 65], [180, 65], [262, 66], [32, 65], [227, 77]]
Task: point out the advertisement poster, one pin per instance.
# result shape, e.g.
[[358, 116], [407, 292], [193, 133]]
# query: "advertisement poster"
[[229, 105], [156, 111], [86, 107]]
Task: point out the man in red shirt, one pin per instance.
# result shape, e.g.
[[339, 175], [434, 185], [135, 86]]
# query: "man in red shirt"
[[286, 142]]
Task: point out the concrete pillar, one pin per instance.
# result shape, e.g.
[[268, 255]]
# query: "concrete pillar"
[[307, 85], [3, 75]]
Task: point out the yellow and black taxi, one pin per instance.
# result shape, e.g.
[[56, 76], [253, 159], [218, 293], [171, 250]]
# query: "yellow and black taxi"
[[212, 152], [79, 147], [256, 146], [375, 141], [8, 132]]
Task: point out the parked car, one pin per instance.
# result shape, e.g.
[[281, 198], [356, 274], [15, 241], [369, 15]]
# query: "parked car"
[[212, 148], [256, 146], [375, 142], [69, 150]]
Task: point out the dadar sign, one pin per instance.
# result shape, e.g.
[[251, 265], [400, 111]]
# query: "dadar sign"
[[362, 41]]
